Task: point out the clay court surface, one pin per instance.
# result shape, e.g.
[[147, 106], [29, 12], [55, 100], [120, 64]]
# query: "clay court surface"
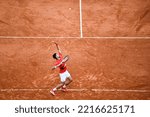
[[108, 42]]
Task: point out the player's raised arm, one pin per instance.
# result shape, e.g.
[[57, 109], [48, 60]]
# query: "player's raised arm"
[[65, 59], [58, 48]]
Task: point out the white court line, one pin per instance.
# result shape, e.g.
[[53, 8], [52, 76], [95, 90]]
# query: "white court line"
[[81, 30], [47, 37], [79, 90], [34, 37], [119, 90], [117, 37]]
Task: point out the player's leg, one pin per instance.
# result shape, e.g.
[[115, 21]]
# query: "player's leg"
[[68, 80], [59, 86], [62, 78], [56, 88]]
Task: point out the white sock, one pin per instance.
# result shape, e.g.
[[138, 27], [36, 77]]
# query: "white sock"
[[54, 89]]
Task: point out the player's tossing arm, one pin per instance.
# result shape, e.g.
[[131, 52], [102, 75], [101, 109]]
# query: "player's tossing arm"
[[58, 48], [54, 67]]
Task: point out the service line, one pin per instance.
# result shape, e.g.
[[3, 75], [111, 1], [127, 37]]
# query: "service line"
[[49, 37], [77, 90]]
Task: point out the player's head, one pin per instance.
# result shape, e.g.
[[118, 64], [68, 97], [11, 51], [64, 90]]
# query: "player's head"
[[56, 56]]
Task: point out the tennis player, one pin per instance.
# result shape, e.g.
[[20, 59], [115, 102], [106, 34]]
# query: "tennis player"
[[65, 76]]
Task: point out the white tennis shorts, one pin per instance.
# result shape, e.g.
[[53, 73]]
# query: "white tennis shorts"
[[64, 76]]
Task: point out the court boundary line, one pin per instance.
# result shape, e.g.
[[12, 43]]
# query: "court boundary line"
[[49, 37], [78, 90], [81, 29]]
